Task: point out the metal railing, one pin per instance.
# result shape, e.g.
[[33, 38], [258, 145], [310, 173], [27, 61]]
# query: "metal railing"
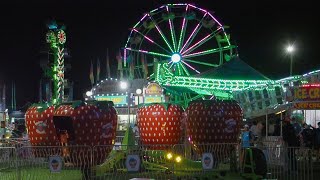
[[180, 161]]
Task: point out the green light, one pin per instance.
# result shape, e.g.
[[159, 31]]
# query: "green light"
[[160, 32], [185, 70], [173, 37], [57, 38], [164, 76], [210, 51], [182, 33]]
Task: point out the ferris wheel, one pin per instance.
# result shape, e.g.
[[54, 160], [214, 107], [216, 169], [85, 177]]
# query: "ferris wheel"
[[188, 38]]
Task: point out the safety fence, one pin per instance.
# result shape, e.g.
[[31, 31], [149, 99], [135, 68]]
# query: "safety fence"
[[181, 161]]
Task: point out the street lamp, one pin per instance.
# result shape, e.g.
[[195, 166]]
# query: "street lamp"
[[138, 92], [290, 50], [123, 85]]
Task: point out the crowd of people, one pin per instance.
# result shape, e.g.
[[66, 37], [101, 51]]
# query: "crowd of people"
[[295, 137], [294, 134]]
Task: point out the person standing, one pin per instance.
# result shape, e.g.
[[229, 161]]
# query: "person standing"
[[292, 143], [317, 141], [254, 130], [64, 139], [135, 130], [246, 137]]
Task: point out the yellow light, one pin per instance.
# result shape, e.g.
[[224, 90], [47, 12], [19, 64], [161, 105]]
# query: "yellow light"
[[169, 156], [280, 112], [178, 159]]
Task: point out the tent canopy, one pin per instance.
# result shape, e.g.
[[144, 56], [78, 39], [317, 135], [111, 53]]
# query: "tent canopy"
[[235, 69]]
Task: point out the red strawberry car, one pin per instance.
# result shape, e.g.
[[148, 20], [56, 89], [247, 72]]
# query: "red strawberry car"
[[213, 121], [78, 127], [160, 123], [39, 122]]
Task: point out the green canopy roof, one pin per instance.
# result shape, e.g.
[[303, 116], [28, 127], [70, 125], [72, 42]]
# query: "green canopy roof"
[[235, 69]]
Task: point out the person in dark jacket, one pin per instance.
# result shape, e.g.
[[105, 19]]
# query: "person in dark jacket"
[[317, 140], [292, 142]]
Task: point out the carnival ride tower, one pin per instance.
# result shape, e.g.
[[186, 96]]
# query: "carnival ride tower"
[[56, 37]]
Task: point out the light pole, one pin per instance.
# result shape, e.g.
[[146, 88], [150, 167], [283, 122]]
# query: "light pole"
[[138, 92], [290, 50]]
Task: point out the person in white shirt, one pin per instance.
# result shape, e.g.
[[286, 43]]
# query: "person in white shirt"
[[135, 130]]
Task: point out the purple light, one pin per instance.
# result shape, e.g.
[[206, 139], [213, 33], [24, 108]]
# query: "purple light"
[[160, 32], [180, 4], [196, 44], [191, 34], [143, 17], [190, 37], [125, 56], [171, 30], [143, 51], [198, 8], [200, 52], [190, 67], [215, 19], [144, 36], [139, 21]]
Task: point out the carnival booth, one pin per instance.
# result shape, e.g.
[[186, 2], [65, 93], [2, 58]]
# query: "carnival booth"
[[126, 96], [306, 102]]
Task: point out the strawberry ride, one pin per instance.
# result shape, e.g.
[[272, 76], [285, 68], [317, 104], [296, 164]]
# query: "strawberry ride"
[[182, 43]]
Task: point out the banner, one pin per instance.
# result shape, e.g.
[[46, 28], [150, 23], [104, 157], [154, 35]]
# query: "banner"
[[307, 93], [306, 97], [307, 105], [117, 100], [153, 89]]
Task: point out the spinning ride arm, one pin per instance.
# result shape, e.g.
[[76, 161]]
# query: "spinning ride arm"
[[164, 76]]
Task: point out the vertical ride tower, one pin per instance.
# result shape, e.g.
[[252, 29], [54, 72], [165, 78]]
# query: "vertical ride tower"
[[56, 37]]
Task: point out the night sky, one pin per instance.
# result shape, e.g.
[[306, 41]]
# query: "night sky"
[[261, 30]]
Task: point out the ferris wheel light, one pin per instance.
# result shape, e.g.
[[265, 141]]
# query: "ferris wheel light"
[[175, 58]]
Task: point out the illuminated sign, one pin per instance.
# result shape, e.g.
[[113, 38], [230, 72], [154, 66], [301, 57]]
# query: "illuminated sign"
[[307, 105], [154, 89], [117, 100], [152, 99], [307, 93]]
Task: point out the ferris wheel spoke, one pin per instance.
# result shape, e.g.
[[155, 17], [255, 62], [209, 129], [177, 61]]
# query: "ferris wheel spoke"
[[171, 65], [152, 41], [183, 30], [202, 41], [182, 33], [190, 67], [202, 63], [185, 69], [193, 34], [173, 33], [135, 27], [148, 52], [180, 71], [210, 51], [161, 33]]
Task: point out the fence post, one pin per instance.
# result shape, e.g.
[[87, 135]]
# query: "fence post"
[[17, 163]]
